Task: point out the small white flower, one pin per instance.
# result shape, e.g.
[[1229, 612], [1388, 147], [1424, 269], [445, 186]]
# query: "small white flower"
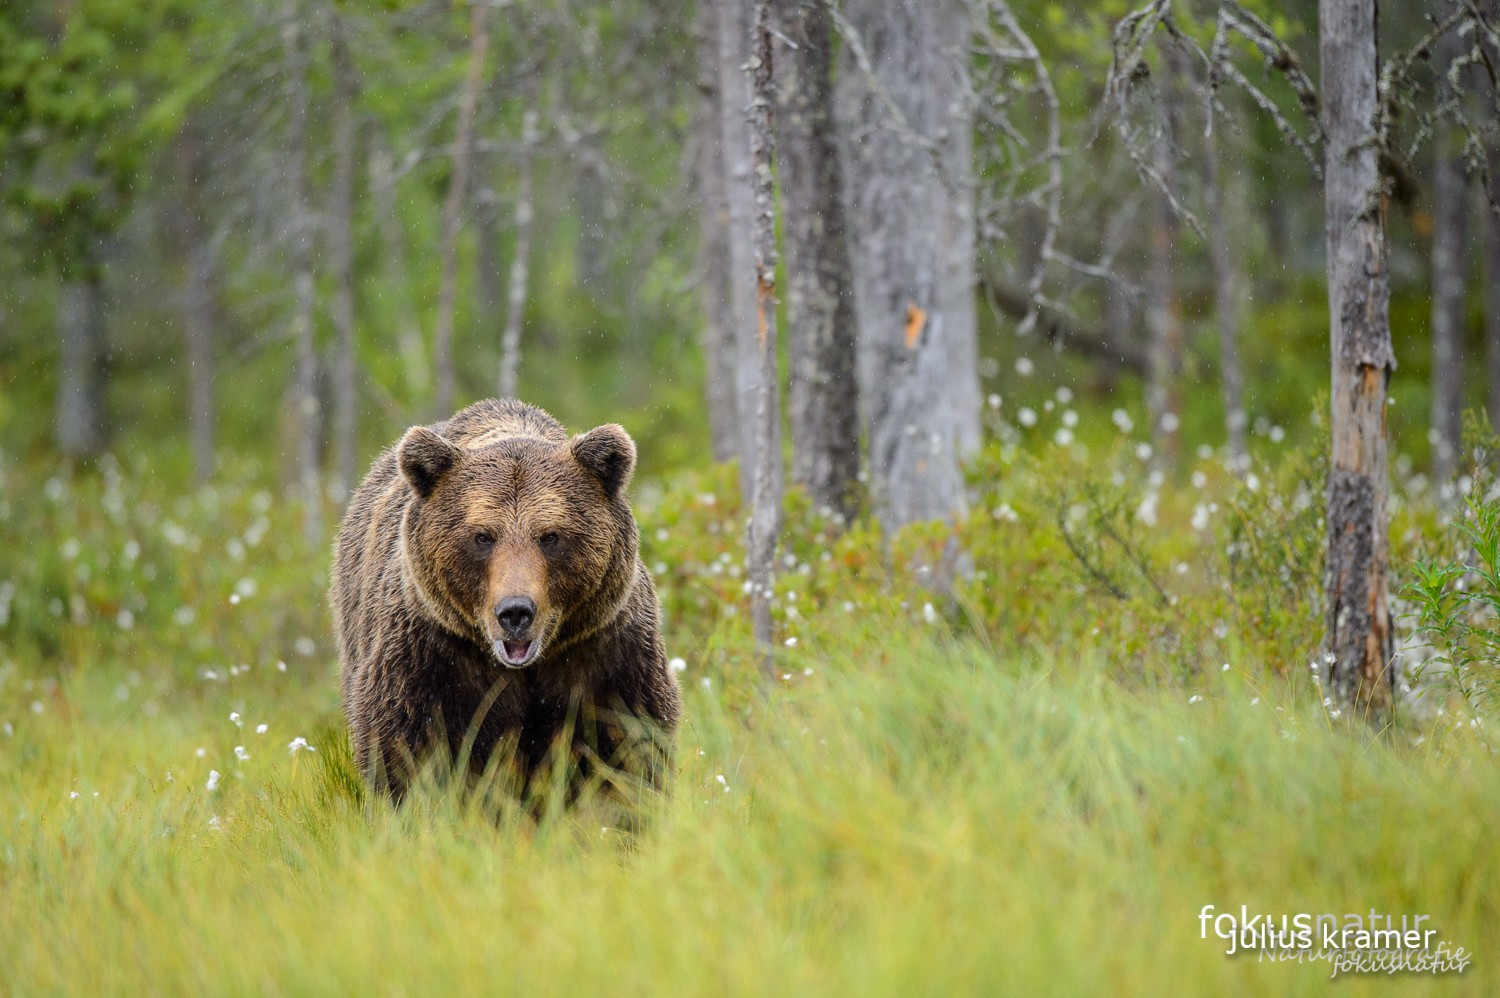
[[1064, 394], [1024, 366], [1122, 419], [213, 780], [1143, 451], [297, 745], [929, 614], [1194, 699], [1224, 667], [214, 824], [234, 716], [1254, 701], [1252, 483], [721, 779], [201, 753], [240, 753], [677, 664], [790, 642], [36, 707], [1277, 434], [1169, 422], [74, 795], [807, 672], [706, 683], [280, 666], [1070, 418], [1026, 416], [994, 401], [1200, 517], [1063, 437], [261, 729], [1199, 480]]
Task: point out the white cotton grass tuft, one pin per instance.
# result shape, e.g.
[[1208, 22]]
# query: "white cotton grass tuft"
[[261, 729], [677, 664], [297, 745], [240, 753], [213, 780]]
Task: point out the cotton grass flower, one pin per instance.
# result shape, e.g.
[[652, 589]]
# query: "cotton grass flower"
[[261, 729], [213, 780], [297, 745], [240, 753]]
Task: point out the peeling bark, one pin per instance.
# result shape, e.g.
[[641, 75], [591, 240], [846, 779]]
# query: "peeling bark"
[[824, 394], [1358, 642]]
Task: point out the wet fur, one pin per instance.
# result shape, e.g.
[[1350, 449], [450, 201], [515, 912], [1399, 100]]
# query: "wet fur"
[[411, 593]]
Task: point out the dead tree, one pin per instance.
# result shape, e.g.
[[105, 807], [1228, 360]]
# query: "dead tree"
[[765, 517], [1231, 379], [510, 341], [1450, 192], [735, 24], [300, 223], [458, 179], [1164, 312], [713, 247], [823, 404], [1357, 620], [196, 299], [341, 257], [1492, 292], [893, 201], [81, 375]]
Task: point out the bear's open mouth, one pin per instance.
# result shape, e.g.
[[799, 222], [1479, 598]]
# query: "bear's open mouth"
[[516, 654]]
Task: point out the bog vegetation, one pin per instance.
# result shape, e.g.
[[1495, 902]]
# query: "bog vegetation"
[[1013, 743]]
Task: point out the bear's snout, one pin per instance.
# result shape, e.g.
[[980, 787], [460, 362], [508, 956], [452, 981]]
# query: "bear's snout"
[[515, 614]]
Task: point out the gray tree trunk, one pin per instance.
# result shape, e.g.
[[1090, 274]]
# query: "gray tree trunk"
[[1492, 292], [341, 259], [734, 52], [1231, 380], [304, 392], [765, 517], [394, 279], [1449, 284], [1357, 622], [894, 204], [823, 404], [1164, 311], [196, 301], [954, 100], [713, 249], [510, 342], [81, 373], [458, 181]]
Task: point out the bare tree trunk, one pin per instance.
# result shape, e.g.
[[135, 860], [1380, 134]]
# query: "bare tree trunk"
[[197, 299], [894, 205], [713, 250], [1231, 380], [463, 143], [824, 392], [734, 52], [954, 100], [510, 343], [1492, 291], [765, 518], [1358, 640], [1164, 312], [341, 258], [305, 390], [393, 270], [81, 374], [1449, 284]]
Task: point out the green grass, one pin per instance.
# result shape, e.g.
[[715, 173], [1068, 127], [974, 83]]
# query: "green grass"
[[949, 822]]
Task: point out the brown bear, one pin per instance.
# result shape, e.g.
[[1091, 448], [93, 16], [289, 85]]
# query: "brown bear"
[[487, 586]]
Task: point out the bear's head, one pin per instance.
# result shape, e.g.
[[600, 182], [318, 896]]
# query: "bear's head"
[[526, 544]]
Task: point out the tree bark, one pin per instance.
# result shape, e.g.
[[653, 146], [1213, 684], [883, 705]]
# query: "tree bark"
[[1449, 284], [954, 101], [393, 271], [734, 52], [463, 143], [1492, 290], [305, 390], [341, 259], [510, 343], [1231, 380], [713, 250], [1164, 312], [196, 301], [824, 391], [894, 205], [82, 371], [1357, 623], [765, 517]]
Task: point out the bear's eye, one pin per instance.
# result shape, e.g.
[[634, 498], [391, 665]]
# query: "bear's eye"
[[548, 539], [483, 539]]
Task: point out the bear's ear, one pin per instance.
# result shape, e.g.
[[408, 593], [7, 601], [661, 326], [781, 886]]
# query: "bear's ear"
[[424, 458], [608, 453]]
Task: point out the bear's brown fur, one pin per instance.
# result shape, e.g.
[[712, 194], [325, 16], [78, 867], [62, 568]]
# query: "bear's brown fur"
[[487, 585]]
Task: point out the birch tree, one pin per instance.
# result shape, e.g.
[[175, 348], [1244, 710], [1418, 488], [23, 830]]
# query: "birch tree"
[[713, 240], [341, 257], [510, 341]]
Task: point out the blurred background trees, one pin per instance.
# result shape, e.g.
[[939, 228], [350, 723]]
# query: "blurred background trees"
[[284, 229]]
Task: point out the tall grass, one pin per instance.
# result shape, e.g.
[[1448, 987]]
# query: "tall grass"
[[950, 822]]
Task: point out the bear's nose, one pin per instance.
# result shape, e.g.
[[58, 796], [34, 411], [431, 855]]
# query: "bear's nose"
[[515, 614]]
